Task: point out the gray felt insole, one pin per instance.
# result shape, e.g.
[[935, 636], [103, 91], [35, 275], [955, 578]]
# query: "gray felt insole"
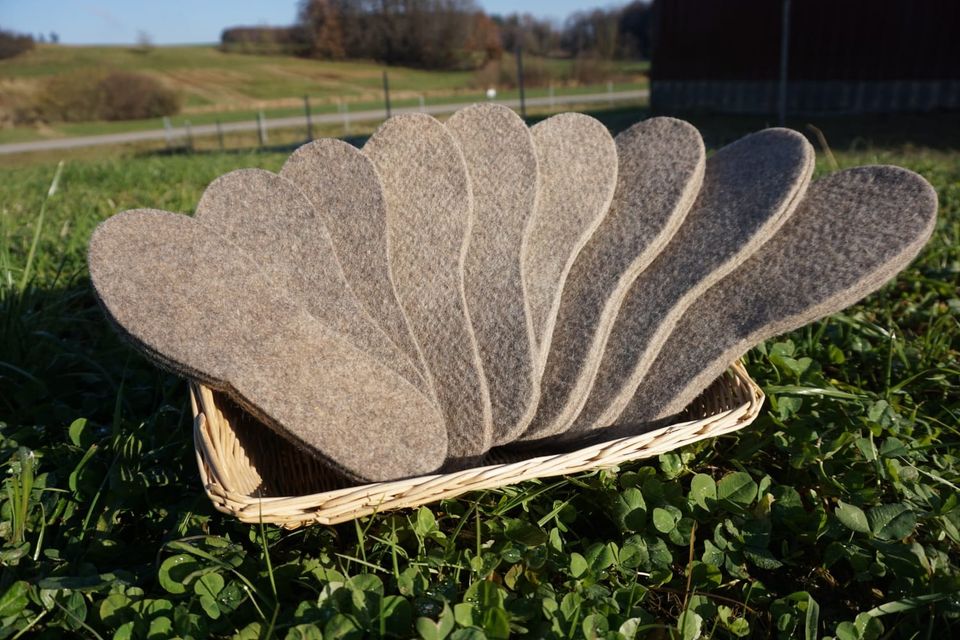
[[661, 165], [267, 216], [578, 175], [853, 232], [429, 216], [502, 164], [749, 190], [346, 193], [198, 305]]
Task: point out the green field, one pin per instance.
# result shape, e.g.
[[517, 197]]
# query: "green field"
[[836, 514], [231, 87]]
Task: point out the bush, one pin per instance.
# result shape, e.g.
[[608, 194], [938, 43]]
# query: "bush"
[[13, 44], [116, 95], [503, 73], [591, 70], [264, 40], [132, 96]]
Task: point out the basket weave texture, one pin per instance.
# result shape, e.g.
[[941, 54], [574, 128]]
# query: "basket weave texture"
[[250, 472]]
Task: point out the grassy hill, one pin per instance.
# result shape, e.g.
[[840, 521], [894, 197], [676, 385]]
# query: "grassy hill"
[[208, 77], [217, 85]]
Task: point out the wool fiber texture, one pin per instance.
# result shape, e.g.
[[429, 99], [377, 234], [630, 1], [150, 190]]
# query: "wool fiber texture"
[[429, 219], [502, 164], [347, 196], [578, 174], [661, 166], [853, 232], [267, 216], [199, 306], [749, 190]]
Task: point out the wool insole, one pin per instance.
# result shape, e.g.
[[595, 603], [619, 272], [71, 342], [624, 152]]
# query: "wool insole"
[[749, 190], [268, 217], [853, 231], [429, 215], [198, 305], [661, 166], [502, 164], [347, 196], [578, 175]]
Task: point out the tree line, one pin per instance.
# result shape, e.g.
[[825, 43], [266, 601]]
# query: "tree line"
[[445, 34]]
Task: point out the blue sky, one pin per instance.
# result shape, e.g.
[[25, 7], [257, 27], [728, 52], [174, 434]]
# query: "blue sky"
[[191, 21]]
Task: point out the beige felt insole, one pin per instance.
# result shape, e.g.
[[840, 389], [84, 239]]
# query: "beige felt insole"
[[749, 190], [502, 164], [661, 165], [345, 190], [429, 217], [853, 231], [198, 304], [578, 174], [270, 218]]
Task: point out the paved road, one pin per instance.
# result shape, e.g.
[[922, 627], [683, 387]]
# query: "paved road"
[[298, 121]]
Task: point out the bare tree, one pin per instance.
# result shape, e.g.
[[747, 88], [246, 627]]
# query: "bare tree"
[[144, 41], [442, 34]]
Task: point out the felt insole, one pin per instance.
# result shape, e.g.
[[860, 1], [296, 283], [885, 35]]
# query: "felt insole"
[[199, 306], [578, 175], [502, 164], [347, 196], [853, 231], [268, 217], [429, 216], [661, 165], [749, 190]]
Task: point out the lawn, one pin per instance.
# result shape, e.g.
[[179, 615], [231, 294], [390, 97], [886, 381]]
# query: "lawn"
[[835, 514]]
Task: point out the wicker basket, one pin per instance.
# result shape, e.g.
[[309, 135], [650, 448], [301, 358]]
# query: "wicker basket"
[[252, 473]]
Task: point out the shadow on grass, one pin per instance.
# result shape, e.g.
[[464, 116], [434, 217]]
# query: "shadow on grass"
[[60, 360]]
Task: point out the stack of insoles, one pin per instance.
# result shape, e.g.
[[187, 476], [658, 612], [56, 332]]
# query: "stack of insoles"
[[454, 287]]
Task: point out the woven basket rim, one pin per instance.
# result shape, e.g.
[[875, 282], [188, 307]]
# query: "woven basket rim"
[[229, 477]]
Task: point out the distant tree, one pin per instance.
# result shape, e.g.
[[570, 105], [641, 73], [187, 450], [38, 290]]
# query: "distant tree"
[[623, 32], [537, 37], [636, 30], [13, 44], [54, 38], [592, 32], [289, 40], [321, 23], [144, 41], [485, 38], [437, 34]]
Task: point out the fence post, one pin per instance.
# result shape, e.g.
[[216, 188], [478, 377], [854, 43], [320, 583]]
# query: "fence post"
[[261, 128], [306, 109], [220, 135], [386, 92], [523, 98], [168, 131], [189, 131]]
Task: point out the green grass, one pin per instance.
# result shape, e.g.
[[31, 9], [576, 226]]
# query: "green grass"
[[835, 514]]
